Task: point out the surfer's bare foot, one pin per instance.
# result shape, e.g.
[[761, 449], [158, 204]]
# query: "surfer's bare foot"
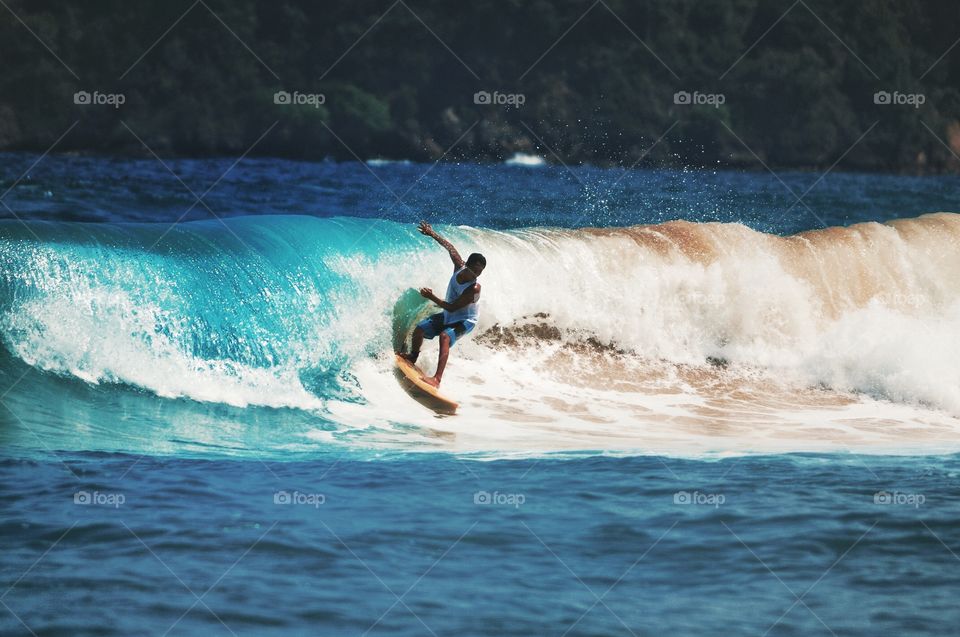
[[433, 381], [410, 358]]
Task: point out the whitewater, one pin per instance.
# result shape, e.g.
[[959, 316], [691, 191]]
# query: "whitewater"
[[677, 338]]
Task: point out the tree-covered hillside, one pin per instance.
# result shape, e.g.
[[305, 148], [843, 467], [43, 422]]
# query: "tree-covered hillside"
[[870, 85]]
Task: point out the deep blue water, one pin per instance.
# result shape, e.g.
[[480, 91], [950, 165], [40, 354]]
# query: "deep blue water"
[[127, 513], [99, 189], [566, 534]]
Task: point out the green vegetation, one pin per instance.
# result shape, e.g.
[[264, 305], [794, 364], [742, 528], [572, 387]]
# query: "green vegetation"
[[797, 90]]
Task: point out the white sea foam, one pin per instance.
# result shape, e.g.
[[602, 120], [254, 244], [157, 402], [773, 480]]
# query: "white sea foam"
[[525, 159], [378, 161]]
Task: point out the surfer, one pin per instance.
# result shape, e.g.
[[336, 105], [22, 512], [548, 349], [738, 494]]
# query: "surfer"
[[460, 310]]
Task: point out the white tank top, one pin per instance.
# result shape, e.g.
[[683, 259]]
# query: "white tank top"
[[467, 314]]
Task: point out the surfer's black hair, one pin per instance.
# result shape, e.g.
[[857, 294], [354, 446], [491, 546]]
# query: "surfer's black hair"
[[477, 259]]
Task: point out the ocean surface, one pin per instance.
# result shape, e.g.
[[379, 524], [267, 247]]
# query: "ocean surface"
[[696, 403]]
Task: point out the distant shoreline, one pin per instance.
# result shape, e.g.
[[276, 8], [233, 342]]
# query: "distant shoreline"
[[548, 161]]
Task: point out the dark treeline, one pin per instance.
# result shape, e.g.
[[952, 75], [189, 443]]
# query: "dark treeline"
[[598, 81]]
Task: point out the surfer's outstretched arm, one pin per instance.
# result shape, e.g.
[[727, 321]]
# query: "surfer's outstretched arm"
[[454, 255]]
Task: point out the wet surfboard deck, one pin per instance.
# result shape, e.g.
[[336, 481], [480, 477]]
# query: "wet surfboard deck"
[[411, 378]]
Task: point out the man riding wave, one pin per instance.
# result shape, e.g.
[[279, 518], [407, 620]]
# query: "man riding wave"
[[460, 305]]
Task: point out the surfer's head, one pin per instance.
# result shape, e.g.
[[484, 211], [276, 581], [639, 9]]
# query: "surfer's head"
[[476, 262]]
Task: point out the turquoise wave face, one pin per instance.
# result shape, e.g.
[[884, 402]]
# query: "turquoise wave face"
[[267, 311], [202, 338]]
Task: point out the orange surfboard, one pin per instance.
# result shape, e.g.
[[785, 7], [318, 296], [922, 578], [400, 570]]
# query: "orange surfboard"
[[411, 377]]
